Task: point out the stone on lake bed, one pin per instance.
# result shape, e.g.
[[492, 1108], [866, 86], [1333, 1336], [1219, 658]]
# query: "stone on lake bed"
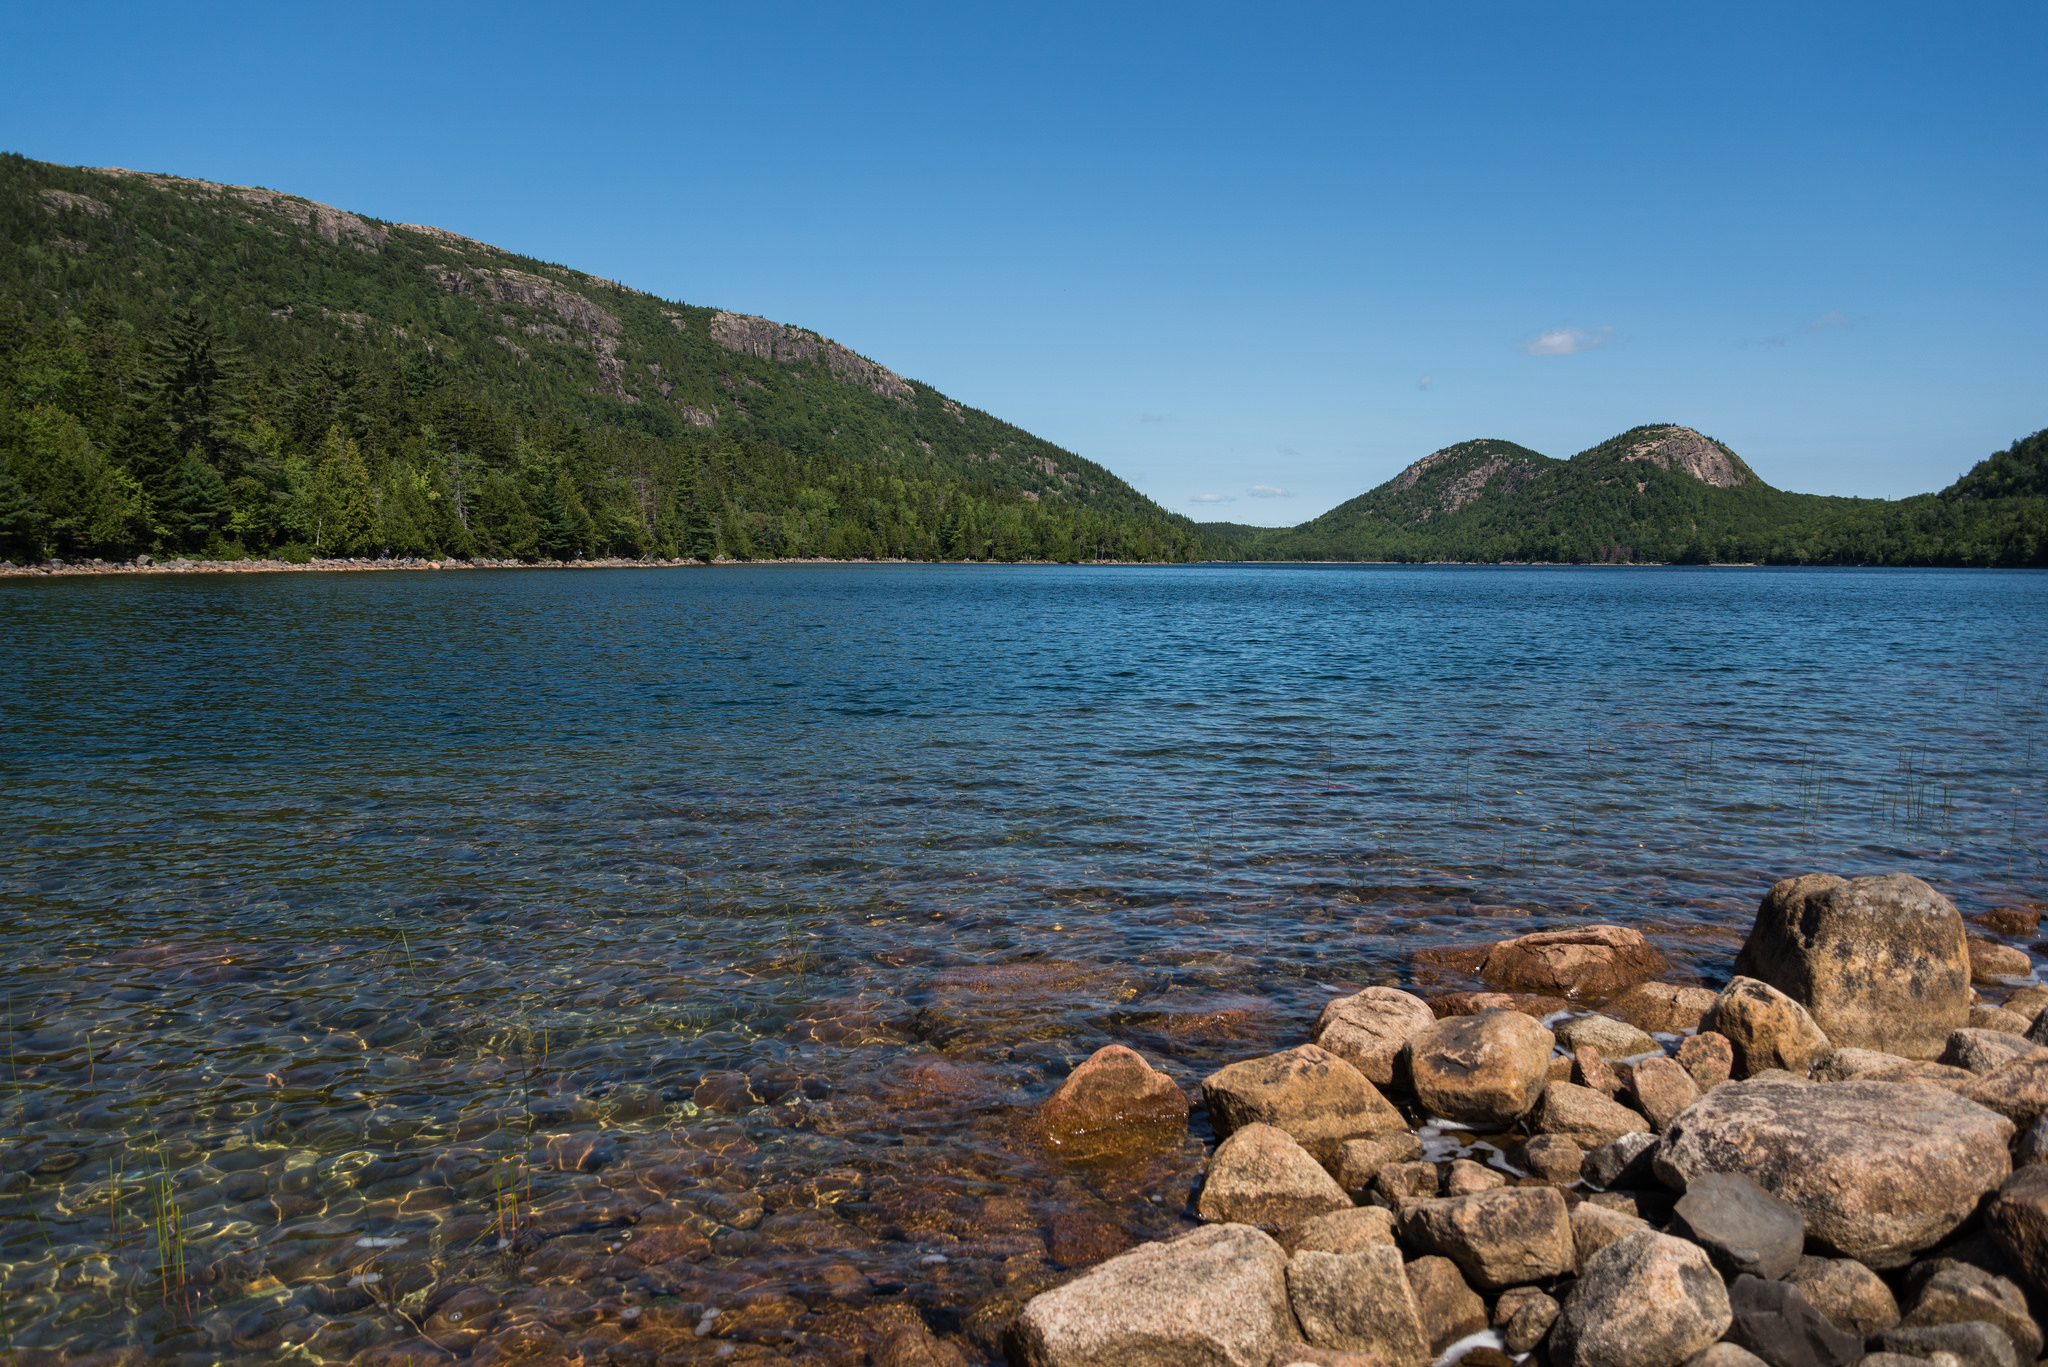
[[1614, 1039], [1744, 1228], [1588, 1118], [1881, 1170], [1498, 1239], [1115, 1107], [1309, 1092], [1370, 1029], [1487, 1069], [1661, 1008], [1766, 1029], [1261, 1177], [1879, 963], [1647, 1300], [1216, 1296]]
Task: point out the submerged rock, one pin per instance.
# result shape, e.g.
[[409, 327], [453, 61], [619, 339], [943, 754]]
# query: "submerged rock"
[[1487, 1069], [1216, 1296], [1370, 1029], [1881, 1170], [1647, 1300], [1113, 1108], [1879, 963], [1588, 960]]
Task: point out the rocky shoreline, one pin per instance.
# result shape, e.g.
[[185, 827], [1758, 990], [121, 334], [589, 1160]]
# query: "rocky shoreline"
[[1839, 1157], [143, 564]]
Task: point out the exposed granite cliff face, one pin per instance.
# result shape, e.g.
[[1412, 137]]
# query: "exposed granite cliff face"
[[1443, 482], [754, 336], [1684, 450]]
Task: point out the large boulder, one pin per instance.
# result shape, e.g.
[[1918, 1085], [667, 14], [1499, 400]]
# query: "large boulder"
[[1614, 1039], [1766, 1029], [1261, 1177], [1647, 1300], [1113, 1108], [1507, 1237], [1360, 1302], [1370, 1029], [1661, 1008], [1596, 1226], [1588, 1118], [1596, 961], [1978, 1050], [2017, 1089], [1958, 1293], [1880, 1169], [1216, 1297], [1973, 1344], [1880, 963], [1487, 1069], [1308, 1092], [1345, 1231], [1745, 1229], [1868, 1065]]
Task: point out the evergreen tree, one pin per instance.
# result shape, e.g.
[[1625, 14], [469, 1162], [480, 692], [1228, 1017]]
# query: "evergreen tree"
[[344, 511], [197, 504], [504, 526], [21, 522]]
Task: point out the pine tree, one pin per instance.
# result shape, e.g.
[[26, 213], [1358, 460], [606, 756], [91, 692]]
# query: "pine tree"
[[344, 513]]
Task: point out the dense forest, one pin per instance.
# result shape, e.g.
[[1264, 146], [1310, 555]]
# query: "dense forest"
[[1662, 494], [215, 371]]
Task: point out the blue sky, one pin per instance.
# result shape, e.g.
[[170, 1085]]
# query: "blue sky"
[[1254, 260]]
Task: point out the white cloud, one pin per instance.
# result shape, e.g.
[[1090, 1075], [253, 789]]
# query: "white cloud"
[[1830, 319], [1424, 382], [1268, 491], [1567, 341], [1211, 498]]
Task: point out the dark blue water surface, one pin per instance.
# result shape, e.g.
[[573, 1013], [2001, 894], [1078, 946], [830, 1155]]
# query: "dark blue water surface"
[[761, 906]]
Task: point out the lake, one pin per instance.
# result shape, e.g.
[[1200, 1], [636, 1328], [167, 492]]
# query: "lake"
[[395, 955]]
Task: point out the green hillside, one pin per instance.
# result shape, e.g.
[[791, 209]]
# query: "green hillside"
[[1662, 494], [225, 370]]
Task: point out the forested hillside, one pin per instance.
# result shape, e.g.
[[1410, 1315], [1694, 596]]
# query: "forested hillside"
[[224, 371], [1662, 494]]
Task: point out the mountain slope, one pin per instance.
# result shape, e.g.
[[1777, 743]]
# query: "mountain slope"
[[294, 297], [1660, 493]]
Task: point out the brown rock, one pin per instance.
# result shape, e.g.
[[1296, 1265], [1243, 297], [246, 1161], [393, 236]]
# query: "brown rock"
[[1879, 963], [1982, 1051], [1960, 1293], [1709, 1057], [916, 1346], [2000, 1019], [1466, 1177], [1370, 1029], [1587, 961], [1217, 1296], [2018, 922], [1080, 1237], [2017, 1090], [1551, 1157], [1591, 1069], [1345, 1231], [1472, 1003], [1596, 1225], [1113, 1108], [1358, 1161], [1767, 1029], [2018, 1221], [1487, 1069], [1261, 1177], [1303, 1355], [2028, 1002], [1530, 1318], [1663, 1088], [1359, 1302], [1614, 1039], [1648, 1300], [1848, 1293], [1560, 1069], [1450, 1308], [1402, 1183], [1584, 1116], [1308, 1092], [1497, 1238], [1880, 1169], [1867, 1065], [1992, 963], [1661, 1008]]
